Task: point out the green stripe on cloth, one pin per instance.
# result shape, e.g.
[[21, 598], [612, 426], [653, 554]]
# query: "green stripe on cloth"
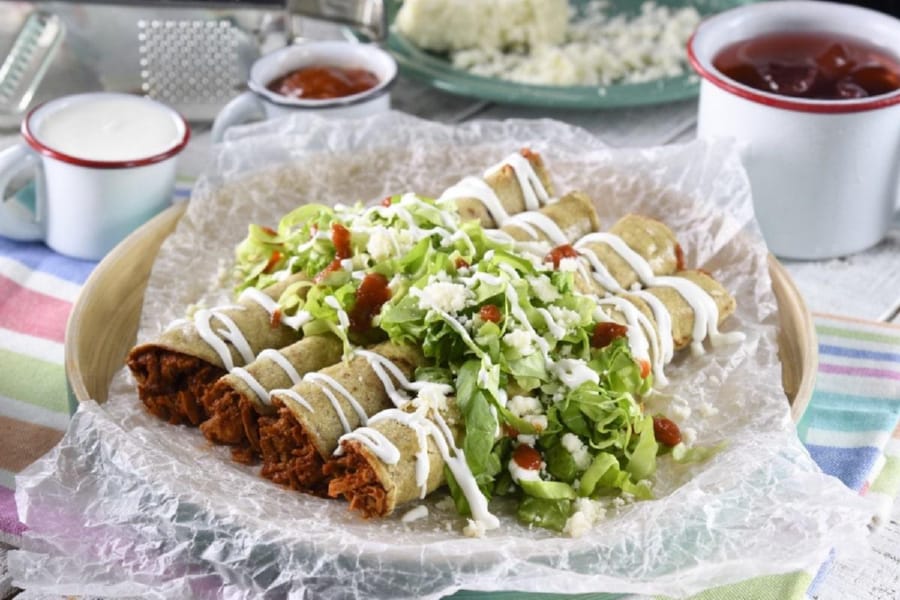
[[790, 586], [854, 334], [888, 481], [848, 419], [34, 381]]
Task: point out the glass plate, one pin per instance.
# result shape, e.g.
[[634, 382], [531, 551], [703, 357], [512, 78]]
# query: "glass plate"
[[436, 70]]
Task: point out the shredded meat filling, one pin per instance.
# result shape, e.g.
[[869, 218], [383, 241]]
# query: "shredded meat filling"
[[171, 385], [354, 478], [233, 421], [289, 457]]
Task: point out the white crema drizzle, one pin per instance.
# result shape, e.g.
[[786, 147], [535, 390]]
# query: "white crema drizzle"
[[436, 427], [706, 312], [533, 191]]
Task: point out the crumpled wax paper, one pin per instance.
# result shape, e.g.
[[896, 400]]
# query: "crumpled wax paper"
[[128, 505]]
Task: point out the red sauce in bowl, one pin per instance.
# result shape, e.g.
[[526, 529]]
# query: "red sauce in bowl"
[[323, 82], [818, 65]]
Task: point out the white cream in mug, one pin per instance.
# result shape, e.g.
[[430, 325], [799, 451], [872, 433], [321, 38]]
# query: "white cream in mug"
[[110, 129]]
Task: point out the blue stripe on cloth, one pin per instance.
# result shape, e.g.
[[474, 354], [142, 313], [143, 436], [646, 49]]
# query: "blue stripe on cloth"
[[858, 353], [850, 465], [822, 574], [38, 257], [825, 399]]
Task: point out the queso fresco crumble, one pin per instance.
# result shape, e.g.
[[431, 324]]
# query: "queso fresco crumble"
[[596, 48]]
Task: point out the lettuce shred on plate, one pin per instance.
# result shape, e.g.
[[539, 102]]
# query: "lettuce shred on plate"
[[488, 317]]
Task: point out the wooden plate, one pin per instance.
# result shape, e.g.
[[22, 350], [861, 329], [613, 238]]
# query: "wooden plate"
[[103, 324]]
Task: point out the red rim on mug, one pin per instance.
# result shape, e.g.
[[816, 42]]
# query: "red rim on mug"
[[705, 69], [46, 150]]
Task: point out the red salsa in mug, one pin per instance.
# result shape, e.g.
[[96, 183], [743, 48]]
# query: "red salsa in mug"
[[805, 64], [323, 82]]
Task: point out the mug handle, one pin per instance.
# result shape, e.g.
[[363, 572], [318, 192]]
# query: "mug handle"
[[246, 107], [15, 223]]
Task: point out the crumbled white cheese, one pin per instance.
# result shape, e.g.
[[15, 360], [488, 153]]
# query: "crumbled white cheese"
[[707, 410], [578, 450], [448, 297], [543, 289], [380, 245], [587, 514], [519, 474], [539, 422], [568, 264], [474, 528], [688, 436], [576, 525], [598, 49], [419, 512], [524, 405], [433, 396], [520, 341], [528, 440], [568, 319], [679, 409]]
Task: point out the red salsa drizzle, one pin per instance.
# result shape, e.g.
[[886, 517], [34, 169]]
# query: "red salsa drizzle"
[[666, 431], [461, 263], [679, 258], [560, 252], [386, 202], [340, 237], [273, 260], [269, 231], [527, 457], [606, 332], [372, 293], [322, 82], [490, 312], [275, 322]]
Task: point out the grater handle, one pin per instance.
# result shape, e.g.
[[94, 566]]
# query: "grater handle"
[[28, 60]]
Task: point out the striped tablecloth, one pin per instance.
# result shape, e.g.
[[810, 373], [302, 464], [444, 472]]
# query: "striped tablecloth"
[[850, 427]]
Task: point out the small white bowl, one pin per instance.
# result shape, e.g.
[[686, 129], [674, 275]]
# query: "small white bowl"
[[262, 103]]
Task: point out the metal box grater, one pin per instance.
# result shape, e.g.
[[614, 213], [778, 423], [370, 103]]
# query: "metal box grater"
[[190, 57]]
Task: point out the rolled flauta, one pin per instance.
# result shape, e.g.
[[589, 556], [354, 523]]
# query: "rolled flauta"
[[233, 400], [559, 222], [237, 399], [312, 415], [617, 260], [696, 304], [174, 371], [399, 457], [518, 183]]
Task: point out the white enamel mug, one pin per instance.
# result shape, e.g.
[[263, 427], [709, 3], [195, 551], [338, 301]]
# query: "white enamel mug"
[[825, 174], [103, 164], [262, 103]]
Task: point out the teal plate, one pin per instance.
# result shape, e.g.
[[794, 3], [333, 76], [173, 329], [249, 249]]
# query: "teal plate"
[[436, 70]]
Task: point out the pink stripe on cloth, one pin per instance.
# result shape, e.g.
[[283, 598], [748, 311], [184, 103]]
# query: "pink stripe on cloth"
[[858, 371], [9, 517], [32, 313]]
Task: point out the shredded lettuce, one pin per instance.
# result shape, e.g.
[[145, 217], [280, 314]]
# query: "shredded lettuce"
[[496, 318]]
